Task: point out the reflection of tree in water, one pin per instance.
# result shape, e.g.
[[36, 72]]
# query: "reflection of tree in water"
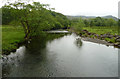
[[34, 56], [36, 49], [39, 43], [78, 42]]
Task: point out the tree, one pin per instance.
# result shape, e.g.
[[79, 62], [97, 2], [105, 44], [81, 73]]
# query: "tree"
[[34, 17], [78, 26], [111, 22], [30, 16], [92, 23]]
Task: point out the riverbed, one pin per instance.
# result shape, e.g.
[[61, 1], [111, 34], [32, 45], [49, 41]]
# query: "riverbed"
[[57, 55]]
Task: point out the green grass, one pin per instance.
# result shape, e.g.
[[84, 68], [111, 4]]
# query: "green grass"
[[110, 40], [102, 30], [10, 37]]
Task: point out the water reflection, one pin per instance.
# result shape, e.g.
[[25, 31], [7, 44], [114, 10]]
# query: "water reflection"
[[31, 56], [78, 42], [59, 55], [39, 43]]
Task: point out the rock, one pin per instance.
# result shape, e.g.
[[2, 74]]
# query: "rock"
[[115, 35], [89, 33], [117, 40], [110, 36], [117, 44], [85, 31], [80, 34], [93, 33], [97, 35], [101, 36], [104, 36], [118, 37]]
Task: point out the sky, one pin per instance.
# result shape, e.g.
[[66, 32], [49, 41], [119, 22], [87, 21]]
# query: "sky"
[[83, 7]]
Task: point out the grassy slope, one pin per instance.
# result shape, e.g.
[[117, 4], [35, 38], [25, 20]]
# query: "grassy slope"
[[10, 37], [102, 30]]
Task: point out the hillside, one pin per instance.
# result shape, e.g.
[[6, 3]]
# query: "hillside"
[[88, 17]]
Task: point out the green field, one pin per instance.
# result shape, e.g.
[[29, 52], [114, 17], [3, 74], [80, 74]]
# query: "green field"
[[10, 37], [102, 30]]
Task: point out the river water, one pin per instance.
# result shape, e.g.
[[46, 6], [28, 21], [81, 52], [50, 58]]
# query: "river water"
[[59, 55]]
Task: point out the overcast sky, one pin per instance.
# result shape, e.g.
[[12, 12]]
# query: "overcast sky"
[[83, 7]]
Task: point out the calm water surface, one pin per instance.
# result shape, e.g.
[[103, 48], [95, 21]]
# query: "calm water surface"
[[62, 56]]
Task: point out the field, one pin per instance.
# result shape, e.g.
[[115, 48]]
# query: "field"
[[10, 37], [102, 30]]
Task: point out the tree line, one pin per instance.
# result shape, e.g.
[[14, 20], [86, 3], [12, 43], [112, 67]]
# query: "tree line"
[[98, 21]]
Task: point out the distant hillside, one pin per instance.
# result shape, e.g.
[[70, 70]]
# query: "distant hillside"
[[110, 16], [88, 17], [84, 17]]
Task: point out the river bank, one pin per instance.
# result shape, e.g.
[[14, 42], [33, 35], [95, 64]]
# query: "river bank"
[[97, 41], [12, 37], [102, 35], [107, 38]]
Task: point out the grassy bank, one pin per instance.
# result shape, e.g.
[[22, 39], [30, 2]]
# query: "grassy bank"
[[10, 37], [102, 30], [109, 34]]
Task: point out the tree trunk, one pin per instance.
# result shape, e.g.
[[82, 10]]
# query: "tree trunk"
[[26, 29]]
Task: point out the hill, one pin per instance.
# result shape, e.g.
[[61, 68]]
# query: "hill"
[[88, 17]]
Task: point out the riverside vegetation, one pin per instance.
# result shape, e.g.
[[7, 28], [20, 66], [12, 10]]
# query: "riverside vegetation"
[[98, 28], [23, 21]]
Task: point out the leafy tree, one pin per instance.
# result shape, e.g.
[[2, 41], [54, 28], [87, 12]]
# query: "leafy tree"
[[33, 17], [78, 26]]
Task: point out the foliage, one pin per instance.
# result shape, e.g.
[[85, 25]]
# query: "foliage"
[[33, 17], [78, 25], [98, 21]]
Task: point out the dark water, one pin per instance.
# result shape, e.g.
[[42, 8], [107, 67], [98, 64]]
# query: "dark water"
[[58, 55]]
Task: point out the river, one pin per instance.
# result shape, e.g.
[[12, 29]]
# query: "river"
[[61, 55]]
